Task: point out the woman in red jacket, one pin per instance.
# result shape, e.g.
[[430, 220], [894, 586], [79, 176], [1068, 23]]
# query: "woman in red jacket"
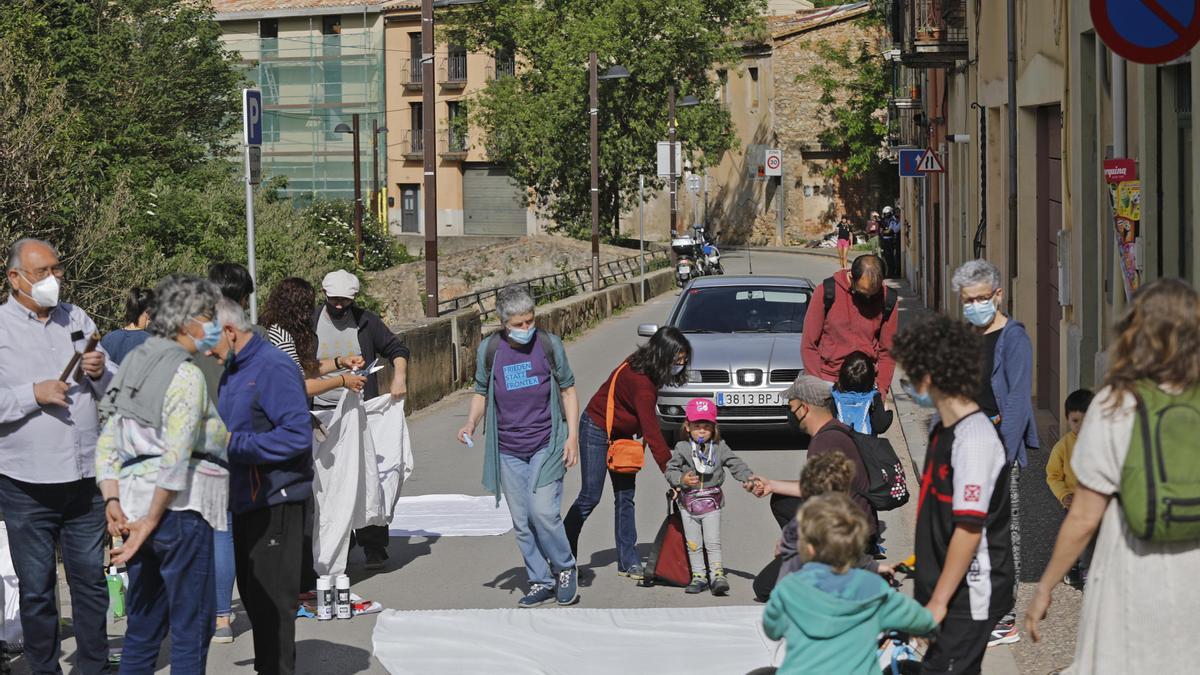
[[661, 362]]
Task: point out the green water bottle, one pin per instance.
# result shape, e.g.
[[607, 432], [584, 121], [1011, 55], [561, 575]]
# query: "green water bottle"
[[116, 594]]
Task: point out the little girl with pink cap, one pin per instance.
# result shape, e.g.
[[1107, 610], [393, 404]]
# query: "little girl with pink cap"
[[696, 470]]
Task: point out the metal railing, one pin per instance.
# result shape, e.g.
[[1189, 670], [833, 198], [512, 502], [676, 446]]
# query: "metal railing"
[[414, 142], [560, 285], [454, 68]]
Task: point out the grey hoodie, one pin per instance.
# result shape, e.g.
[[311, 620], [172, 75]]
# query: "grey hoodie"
[[682, 461]]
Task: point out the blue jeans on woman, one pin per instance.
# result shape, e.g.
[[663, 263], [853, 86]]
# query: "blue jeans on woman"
[[226, 572], [171, 590], [537, 518], [593, 465]]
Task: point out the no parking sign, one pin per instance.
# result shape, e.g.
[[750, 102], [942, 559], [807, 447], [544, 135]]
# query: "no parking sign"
[[1148, 31]]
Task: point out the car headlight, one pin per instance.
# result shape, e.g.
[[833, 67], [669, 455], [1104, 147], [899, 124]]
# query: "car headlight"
[[673, 410], [693, 376]]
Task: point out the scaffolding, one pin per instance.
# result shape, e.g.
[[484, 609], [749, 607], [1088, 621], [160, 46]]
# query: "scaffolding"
[[312, 81]]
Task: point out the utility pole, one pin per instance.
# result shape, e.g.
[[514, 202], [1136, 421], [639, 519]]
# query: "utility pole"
[[594, 115], [671, 153], [358, 203], [429, 140]]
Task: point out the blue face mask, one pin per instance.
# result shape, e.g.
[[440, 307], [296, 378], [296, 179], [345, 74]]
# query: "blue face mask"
[[212, 335], [980, 314], [677, 368], [521, 337], [924, 400]]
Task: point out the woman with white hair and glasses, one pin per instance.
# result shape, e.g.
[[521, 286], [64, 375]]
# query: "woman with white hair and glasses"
[[1006, 393], [525, 390], [161, 466]]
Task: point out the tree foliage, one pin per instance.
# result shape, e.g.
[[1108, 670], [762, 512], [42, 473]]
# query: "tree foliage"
[[536, 123], [116, 127]]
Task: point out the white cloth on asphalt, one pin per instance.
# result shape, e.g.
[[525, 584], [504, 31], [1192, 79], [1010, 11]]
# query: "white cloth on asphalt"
[[574, 640], [10, 594], [450, 516], [359, 469]]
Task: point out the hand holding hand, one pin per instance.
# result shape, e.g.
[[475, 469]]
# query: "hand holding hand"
[[51, 392], [690, 479], [137, 533], [118, 523], [762, 486], [93, 364]]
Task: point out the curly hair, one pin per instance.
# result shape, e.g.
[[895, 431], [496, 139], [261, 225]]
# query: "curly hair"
[[828, 472], [290, 306], [1158, 340], [949, 351]]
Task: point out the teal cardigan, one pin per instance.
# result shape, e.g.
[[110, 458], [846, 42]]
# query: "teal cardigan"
[[552, 468]]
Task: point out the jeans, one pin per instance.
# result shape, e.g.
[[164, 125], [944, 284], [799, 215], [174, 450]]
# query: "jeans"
[[71, 516], [171, 589], [536, 518], [268, 546], [226, 572], [593, 465]]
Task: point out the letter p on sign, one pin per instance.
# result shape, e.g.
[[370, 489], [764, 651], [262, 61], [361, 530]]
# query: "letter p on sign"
[[252, 114]]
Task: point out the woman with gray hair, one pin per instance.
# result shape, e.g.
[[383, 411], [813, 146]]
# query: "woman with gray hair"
[[161, 466], [525, 388], [1006, 392]]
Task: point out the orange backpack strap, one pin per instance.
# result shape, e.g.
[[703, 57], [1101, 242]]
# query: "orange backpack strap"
[[612, 396]]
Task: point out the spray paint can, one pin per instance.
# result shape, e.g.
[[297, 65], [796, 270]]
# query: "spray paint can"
[[324, 598], [343, 597]]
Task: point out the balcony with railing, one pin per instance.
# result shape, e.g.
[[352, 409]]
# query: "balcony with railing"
[[503, 65], [452, 143], [413, 145], [410, 74], [453, 71], [931, 33]]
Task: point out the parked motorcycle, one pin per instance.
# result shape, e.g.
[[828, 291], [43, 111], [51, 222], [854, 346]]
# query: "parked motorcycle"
[[688, 259], [710, 253]]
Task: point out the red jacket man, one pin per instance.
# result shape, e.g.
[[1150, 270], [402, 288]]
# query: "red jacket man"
[[857, 321]]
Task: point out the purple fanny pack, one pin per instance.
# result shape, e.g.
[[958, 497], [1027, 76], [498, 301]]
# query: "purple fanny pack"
[[700, 501]]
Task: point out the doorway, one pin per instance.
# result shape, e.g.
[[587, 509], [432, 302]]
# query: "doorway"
[[1049, 222], [409, 215]]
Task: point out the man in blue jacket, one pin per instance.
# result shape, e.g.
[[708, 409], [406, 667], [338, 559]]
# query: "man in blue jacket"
[[264, 405]]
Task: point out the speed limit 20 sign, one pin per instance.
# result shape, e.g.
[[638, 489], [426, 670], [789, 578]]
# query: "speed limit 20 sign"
[[774, 163]]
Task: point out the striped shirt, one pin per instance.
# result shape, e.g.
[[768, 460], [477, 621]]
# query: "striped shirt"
[[281, 338]]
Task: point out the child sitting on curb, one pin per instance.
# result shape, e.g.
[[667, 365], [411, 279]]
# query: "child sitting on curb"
[[697, 470], [830, 614]]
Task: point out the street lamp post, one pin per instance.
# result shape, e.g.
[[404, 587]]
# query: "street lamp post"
[[613, 73], [429, 143], [358, 206], [687, 101], [375, 131]]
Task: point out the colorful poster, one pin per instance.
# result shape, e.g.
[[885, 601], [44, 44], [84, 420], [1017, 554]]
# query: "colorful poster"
[[1129, 200]]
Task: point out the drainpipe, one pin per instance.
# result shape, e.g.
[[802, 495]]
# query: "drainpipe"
[[1012, 152]]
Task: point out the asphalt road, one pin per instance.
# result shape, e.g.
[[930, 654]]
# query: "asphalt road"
[[487, 572]]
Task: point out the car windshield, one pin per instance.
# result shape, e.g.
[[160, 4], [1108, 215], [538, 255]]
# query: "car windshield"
[[743, 309]]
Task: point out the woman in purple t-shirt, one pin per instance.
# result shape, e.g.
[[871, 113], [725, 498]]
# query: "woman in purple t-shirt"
[[525, 390]]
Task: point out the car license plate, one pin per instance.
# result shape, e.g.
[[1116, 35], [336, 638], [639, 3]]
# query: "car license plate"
[[747, 398], [684, 269]]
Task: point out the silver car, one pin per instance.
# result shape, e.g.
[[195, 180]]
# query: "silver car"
[[745, 335]]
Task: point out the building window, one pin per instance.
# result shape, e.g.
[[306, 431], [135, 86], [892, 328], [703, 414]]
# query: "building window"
[[753, 86], [417, 124], [331, 25], [506, 63], [268, 28], [414, 48], [457, 113], [456, 64]]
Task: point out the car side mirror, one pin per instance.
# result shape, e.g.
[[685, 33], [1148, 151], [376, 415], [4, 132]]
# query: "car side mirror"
[[647, 329]]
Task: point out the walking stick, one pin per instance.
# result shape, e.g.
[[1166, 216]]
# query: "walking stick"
[[91, 346]]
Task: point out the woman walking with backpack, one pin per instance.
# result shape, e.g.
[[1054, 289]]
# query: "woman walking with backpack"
[[624, 407], [1148, 548]]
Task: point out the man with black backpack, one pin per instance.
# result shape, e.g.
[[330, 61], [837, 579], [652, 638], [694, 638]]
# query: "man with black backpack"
[[856, 313]]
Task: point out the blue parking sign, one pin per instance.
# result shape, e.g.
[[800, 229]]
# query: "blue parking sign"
[[252, 116], [910, 163]]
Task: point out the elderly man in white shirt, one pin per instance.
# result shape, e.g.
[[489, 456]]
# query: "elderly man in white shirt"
[[48, 433]]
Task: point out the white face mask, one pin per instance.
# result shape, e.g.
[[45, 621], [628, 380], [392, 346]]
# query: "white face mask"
[[45, 292]]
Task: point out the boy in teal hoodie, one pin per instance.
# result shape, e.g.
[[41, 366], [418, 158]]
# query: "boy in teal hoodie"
[[829, 614]]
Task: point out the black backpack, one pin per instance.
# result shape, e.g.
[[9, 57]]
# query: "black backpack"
[[889, 299], [887, 485]]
